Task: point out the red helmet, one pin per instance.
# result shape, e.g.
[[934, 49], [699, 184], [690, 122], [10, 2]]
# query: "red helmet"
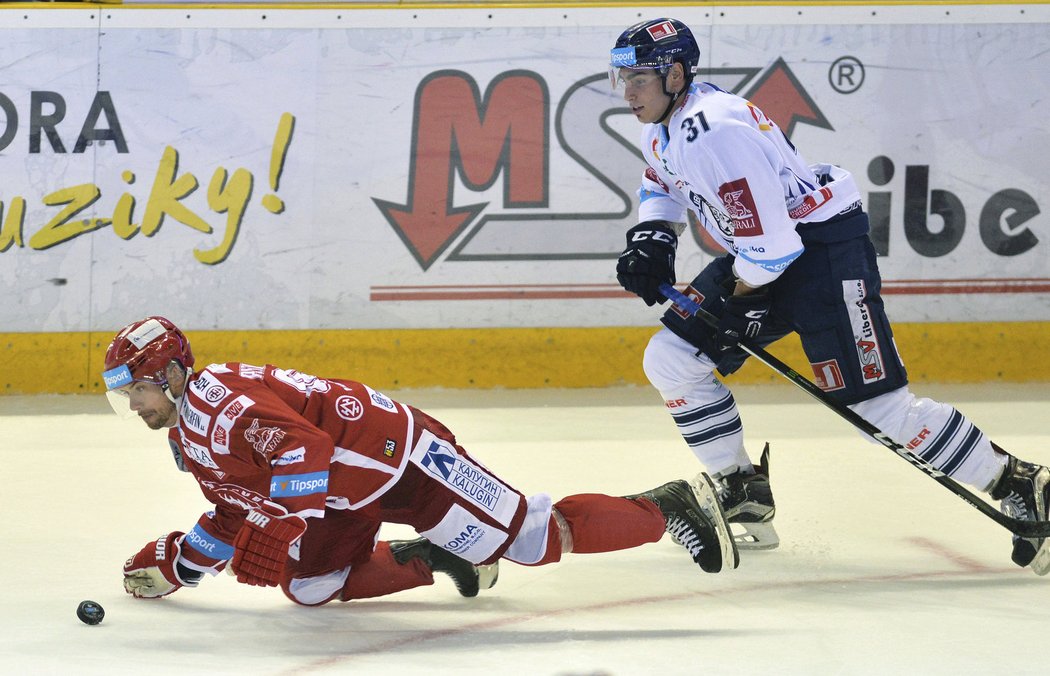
[[142, 351]]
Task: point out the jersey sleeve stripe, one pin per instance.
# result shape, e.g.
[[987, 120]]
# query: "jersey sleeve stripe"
[[207, 544]]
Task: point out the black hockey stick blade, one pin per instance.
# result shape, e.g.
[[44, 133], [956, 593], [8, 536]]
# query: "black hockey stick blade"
[[1026, 529]]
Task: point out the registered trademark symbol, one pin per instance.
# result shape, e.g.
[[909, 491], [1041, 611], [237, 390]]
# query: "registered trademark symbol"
[[846, 75]]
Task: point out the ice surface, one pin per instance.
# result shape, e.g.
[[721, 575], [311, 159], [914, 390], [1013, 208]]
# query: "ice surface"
[[880, 571]]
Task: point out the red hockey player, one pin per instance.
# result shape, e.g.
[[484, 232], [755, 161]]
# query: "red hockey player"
[[302, 472]]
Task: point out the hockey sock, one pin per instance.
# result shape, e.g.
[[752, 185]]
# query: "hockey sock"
[[382, 575], [937, 433], [702, 407], [601, 523], [554, 545]]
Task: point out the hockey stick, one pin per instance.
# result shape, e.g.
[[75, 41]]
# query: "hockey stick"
[[1026, 529]]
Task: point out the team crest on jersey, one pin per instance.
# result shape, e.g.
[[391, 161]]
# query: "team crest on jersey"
[[721, 221], [263, 439], [739, 203], [349, 408]]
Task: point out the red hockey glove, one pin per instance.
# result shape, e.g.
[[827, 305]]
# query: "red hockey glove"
[[153, 572], [262, 545]]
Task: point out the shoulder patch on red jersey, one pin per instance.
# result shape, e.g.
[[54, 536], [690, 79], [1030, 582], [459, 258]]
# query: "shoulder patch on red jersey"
[[264, 440], [740, 205], [208, 389]]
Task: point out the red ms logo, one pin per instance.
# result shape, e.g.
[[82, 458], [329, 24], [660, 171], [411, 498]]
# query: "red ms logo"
[[463, 135]]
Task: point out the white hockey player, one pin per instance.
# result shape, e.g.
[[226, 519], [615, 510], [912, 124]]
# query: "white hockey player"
[[798, 259]]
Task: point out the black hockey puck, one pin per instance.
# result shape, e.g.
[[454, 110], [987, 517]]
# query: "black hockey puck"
[[90, 612]]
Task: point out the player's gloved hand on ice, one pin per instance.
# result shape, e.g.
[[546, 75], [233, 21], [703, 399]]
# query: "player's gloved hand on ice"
[[742, 318], [648, 260], [154, 571], [261, 545]]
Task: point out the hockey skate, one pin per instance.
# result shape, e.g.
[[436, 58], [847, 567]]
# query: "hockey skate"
[[1024, 489], [695, 520], [747, 500], [468, 578]]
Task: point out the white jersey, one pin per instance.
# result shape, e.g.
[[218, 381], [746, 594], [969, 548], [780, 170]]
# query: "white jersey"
[[723, 158]]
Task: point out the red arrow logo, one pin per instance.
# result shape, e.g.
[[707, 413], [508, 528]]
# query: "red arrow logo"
[[784, 100], [457, 133]]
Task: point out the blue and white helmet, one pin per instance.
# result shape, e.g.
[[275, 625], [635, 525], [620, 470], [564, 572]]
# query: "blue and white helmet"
[[655, 44]]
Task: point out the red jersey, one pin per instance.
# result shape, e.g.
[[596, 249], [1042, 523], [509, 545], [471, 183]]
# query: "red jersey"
[[250, 434]]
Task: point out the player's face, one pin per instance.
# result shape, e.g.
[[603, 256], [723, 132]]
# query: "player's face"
[[643, 90], [149, 402]]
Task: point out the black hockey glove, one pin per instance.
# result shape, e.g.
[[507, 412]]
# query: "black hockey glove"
[[742, 318], [648, 260]]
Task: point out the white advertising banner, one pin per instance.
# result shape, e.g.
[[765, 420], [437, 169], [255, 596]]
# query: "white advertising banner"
[[344, 168]]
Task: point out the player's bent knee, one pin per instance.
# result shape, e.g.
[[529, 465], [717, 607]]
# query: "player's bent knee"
[[672, 364], [317, 590]]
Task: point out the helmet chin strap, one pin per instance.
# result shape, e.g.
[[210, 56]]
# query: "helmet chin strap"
[[176, 400], [674, 96]]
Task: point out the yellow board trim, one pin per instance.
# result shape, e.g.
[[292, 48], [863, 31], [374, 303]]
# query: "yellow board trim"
[[64, 363]]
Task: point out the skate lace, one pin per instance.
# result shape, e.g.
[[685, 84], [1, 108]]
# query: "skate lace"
[[1015, 507], [685, 535]]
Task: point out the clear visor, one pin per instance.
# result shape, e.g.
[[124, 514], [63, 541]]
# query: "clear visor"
[[119, 382], [620, 58], [622, 78], [120, 402]]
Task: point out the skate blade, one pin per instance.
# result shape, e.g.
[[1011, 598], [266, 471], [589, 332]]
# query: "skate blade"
[[756, 536], [707, 497], [1040, 565], [487, 575]]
